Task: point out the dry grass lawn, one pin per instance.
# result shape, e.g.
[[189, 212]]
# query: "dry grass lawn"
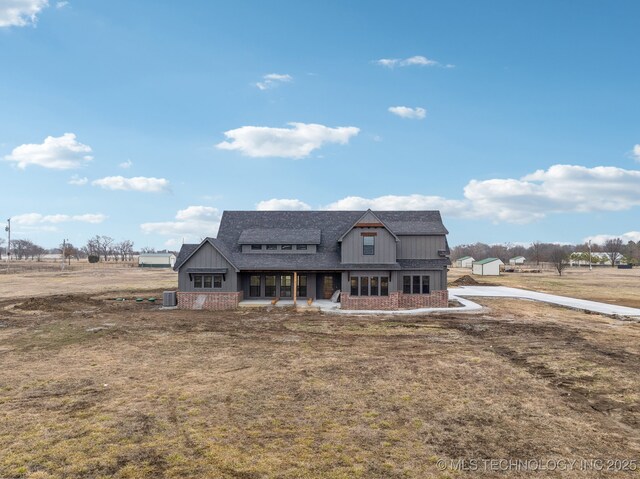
[[93, 388]]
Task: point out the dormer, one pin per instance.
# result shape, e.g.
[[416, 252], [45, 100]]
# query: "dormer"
[[279, 240], [368, 241]]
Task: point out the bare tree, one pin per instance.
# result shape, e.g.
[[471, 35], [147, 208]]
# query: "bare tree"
[[125, 249], [559, 257], [536, 250], [613, 248], [69, 251], [1, 247], [147, 249]]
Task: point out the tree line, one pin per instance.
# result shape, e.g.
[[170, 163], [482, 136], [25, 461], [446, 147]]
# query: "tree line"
[[97, 248], [539, 252]]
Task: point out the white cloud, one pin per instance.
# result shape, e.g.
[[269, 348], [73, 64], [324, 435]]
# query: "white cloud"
[[78, 181], [138, 183], [59, 153], [272, 80], [20, 13], [125, 165], [625, 237], [408, 112], [296, 142], [560, 189], [61, 4], [276, 204], [636, 152], [192, 224], [568, 189], [417, 60], [402, 202], [32, 219]]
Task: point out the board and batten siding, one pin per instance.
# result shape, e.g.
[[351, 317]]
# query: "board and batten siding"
[[207, 257], [437, 279], [420, 247], [385, 247]]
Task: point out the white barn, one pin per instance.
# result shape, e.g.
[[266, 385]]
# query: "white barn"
[[517, 260], [464, 262], [156, 260], [487, 267]]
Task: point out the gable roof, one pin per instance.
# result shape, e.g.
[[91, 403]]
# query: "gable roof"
[[280, 236], [464, 257], [487, 260], [188, 250], [517, 257], [364, 215]]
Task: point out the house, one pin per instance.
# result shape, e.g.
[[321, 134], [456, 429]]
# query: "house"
[[464, 262], [370, 260], [517, 260], [156, 260], [487, 267]]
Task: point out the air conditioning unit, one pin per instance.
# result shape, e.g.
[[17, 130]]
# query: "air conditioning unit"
[[169, 299]]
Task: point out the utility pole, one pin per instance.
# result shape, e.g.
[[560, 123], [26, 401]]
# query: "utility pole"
[[8, 230], [590, 267], [64, 249]]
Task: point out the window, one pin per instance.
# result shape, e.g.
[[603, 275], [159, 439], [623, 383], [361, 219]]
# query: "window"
[[384, 286], [302, 286], [374, 286], [285, 286], [368, 245], [406, 284], [425, 285], [354, 286], [197, 281], [254, 286], [269, 286], [217, 281], [369, 286], [256, 247], [208, 280], [286, 247], [301, 247], [272, 247], [416, 285], [364, 286]]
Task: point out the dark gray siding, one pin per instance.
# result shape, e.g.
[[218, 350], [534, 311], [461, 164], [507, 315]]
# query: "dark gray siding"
[[385, 247], [311, 249], [207, 257], [420, 247], [436, 279]]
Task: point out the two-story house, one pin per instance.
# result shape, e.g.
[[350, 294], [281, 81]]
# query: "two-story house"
[[376, 260]]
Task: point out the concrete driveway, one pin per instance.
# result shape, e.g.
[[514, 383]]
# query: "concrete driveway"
[[505, 292]]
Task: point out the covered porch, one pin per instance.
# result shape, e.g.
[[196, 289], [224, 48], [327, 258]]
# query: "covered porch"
[[289, 285]]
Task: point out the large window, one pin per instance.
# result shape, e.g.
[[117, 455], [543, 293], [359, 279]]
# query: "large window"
[[369, 286], [302, 286], [254, 285], [285, 286], [415, 284], [368, 245], [270, 286], [207, 281]]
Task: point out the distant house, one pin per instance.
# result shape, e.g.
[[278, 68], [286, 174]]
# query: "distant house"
[[487, 267], [156, 260], [517, 260], [464, 262], [365, 259]]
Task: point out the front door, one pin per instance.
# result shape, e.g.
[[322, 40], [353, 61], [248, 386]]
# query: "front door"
[[327, 286]]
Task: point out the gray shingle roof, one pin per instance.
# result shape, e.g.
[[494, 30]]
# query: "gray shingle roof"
[[323, 227], [424, 263], [280, 236]]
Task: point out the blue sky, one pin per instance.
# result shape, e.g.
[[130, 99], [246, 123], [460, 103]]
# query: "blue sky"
[[145, 120]]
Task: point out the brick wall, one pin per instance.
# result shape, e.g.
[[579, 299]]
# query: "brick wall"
[[396, 300], [209, 301]]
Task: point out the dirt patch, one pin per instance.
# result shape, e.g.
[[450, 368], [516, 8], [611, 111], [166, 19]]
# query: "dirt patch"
[[465, 280]]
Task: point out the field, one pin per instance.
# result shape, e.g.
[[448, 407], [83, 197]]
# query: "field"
[[95, 388]]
